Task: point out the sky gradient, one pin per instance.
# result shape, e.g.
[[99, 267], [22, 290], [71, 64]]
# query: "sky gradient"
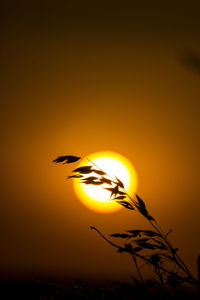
[[81, 78]]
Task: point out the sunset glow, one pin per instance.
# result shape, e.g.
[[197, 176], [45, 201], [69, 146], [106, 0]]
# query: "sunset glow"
[[97, 198]]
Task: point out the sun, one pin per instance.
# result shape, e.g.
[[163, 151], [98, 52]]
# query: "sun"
[[97, 198]]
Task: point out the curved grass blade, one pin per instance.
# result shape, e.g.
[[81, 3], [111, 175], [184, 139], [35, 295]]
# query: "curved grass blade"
[[119, 182], [91, 178], [134, 232], [119, 198], [99, 172], [125, 204], [114, 190], [84, 170], [146, 245], [75, 176], [67, 159], [120, 235], [105, 180]]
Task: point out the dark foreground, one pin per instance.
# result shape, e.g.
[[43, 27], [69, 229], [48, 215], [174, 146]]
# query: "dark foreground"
[[77, 290]]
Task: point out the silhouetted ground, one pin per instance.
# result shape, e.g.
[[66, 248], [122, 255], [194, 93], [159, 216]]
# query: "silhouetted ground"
[[78, 290]]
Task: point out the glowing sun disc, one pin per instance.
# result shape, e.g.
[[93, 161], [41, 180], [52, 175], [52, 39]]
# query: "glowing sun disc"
[[96, 197]]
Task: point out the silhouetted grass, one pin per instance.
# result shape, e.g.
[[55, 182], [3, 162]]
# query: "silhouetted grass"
[[79, 290], [146, 247]]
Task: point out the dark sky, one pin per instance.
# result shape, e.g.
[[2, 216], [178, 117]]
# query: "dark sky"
[[85, 76]]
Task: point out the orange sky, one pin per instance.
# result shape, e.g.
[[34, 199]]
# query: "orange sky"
[[84, 79]]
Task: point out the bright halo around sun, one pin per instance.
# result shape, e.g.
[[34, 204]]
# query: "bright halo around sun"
[[97, 198]]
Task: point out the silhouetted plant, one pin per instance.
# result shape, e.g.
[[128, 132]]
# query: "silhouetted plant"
[[152, 247]]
